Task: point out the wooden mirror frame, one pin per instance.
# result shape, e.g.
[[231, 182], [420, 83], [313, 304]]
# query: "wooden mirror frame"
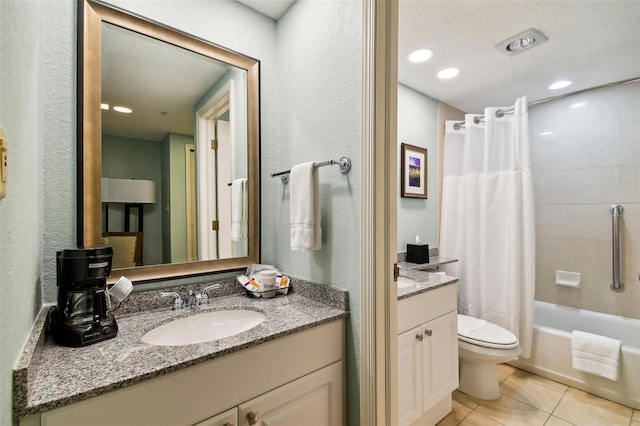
[[91, 15]]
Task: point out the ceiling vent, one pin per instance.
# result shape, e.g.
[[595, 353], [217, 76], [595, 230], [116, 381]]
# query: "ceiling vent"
[[526, 40]]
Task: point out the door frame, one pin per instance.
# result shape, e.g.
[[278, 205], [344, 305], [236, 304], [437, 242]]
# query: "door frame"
[[378, 250], [206, 205], [190, 185]]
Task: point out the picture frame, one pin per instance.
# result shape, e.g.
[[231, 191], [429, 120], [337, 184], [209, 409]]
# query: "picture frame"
[[413, 171]]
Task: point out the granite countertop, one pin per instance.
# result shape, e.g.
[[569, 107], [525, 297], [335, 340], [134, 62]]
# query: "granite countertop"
[[48, 376], [434, 263], [424, 281]]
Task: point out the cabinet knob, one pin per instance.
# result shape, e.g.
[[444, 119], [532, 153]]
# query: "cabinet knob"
[[428, 333], [252, 416], [419, 337]]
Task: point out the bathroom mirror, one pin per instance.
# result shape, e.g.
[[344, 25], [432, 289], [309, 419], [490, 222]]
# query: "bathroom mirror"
[[165, 172]]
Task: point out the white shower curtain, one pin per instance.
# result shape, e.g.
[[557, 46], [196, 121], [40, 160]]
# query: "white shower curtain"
[[488, 219]]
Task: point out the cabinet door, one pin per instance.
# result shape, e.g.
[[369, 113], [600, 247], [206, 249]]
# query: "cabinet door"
[[439, 359], [410, 375], [228, 418], [315, 399]]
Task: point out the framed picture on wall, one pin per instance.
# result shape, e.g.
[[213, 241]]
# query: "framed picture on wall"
[[413, 171]]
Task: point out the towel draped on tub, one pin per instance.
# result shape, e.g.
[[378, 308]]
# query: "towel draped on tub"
[[595, 354]]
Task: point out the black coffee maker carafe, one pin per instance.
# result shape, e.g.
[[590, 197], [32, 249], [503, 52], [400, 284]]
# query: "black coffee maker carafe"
[[83, 315]]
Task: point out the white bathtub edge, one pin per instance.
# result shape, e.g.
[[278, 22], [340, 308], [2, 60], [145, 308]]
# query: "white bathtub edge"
[[557, 366]]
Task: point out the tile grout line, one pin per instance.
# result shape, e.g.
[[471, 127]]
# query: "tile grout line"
[[566, 391]]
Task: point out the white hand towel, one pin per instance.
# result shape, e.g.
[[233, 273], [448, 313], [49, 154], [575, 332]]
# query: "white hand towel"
[[595, 354], [239, 209], [306, 233]]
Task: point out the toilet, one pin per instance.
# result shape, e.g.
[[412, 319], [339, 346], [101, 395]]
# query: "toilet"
[[481, 346]]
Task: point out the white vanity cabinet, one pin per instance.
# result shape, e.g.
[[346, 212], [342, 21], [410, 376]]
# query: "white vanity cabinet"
[[427, 355], [313, 400], [299, 375]]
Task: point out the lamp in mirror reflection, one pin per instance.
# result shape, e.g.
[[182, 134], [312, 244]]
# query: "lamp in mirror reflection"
[[133, 193]]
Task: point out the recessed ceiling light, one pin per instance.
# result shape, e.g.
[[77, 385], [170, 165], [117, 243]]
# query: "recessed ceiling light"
[[420, 55], [546, 133], [104, 106], [448, 73], [122, 109], [578, 105], [521, 42], [561, 84]]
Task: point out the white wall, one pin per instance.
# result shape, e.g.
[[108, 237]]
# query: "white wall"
[[591, 161], [418, 126], [37, 108], [319, 118]]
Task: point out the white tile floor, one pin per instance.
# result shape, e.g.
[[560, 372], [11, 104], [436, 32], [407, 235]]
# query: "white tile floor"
[[532, 400]]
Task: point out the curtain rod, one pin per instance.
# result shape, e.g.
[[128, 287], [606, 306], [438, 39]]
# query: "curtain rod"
[[509, 110]]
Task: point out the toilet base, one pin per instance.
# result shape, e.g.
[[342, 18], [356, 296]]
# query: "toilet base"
[[479, 379]]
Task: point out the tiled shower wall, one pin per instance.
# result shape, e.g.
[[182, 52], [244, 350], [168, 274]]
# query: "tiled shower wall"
[[589, 162]]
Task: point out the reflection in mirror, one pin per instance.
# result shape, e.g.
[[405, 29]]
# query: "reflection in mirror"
[[170, 147], [149, 156]]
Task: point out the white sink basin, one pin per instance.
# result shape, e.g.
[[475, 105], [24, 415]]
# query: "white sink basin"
[[203, 327], [405, 281]]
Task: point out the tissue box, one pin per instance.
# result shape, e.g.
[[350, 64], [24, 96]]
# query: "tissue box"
[[418, 253]]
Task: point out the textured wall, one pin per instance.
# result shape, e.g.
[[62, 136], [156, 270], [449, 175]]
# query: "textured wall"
[[418, 126], [589, 162], [37, 108], [319, 118]]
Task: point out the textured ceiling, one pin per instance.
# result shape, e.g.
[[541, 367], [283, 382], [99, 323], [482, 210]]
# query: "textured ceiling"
[[591, 42]]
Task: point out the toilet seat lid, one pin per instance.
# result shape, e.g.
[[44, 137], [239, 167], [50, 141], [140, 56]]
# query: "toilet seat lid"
[[483, 333]]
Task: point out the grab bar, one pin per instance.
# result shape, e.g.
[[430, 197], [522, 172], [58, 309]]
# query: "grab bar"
[[616, 211]]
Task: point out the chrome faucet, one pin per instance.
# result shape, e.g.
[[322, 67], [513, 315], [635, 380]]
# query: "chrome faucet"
[[194, 299], [177, 300], [205, 296]]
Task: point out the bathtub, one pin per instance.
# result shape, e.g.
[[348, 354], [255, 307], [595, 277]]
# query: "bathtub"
[[551, 351]]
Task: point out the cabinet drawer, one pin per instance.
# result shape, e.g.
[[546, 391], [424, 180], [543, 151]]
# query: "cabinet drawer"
[[423, 307]]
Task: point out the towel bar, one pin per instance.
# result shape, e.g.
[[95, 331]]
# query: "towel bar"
[[344, 163]]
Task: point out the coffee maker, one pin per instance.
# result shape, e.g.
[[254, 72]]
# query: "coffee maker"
[[83, 315]]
